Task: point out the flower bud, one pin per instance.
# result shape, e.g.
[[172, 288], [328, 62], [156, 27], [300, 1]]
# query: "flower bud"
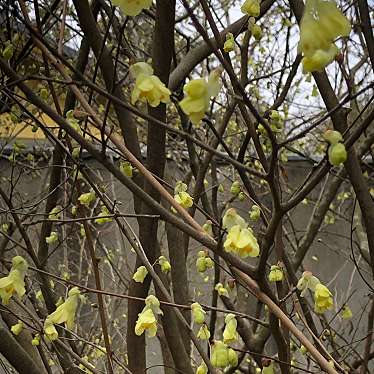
[[276, 274], [229, 43], [17, 328], [333, 136], [256, 31], [337, 154], [140, 274], [198, 313], [235, 188]]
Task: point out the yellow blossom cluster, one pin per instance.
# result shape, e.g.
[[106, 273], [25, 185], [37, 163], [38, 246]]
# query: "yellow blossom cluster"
[[230, 334], [251, 7], [87, 198], [322, 296], [140, 274], [181, 196], [14, 282], [126, 168], [203, 333], [203, 262], [197, 96], [321, 24], [103, 216], [65, 313], [222, 355], [55, 213], [52, 238], [148, 87], [240, 238], [337, 153], [147, 317], [276, 274], [164, 264], [229, 44]]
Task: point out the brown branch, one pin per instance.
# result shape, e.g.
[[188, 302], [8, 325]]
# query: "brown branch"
[[287, 323], [198, 54], [369, 338], [367, 28]]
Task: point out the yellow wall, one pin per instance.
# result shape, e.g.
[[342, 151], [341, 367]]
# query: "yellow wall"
[[23, 130]]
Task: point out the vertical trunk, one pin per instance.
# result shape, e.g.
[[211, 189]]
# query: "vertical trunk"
[[163, 46]]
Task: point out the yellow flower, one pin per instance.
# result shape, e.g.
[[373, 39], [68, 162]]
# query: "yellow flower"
[[65, 313], [5, 228], [346, 312], [256, 31], [148, 87], [203, 262], [146, 318], [322, 299], [104, 213], [232, 218], [152, 302], [332, 20], [222, 356], [14, 282], [126, 168], [242, 196], [197, 96], [242, 242], [321, 24], [132, 7], [276, 274], [39, 296], [140, 274], [198, 313], [235, 188], [74, 210], [146, 321], [180, 187], [319, 59], [337, 154], [203, 333], [36, 340], [303, 350], [17, 328], [87, 198], [184, 199], [230, 334], [251, 7], [55, 213], [207, 227], [221, 290], [268, 369], [219, 355], [52, 238], [229, 43], [233, 357], [202, 369], [333, 136], [165, 264], [255, 213], [307, 281]]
